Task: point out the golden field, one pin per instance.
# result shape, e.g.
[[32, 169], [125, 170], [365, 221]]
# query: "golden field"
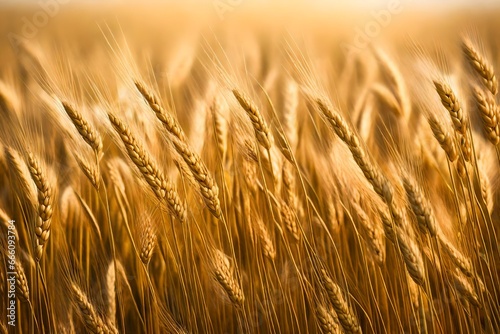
[[247, 167]]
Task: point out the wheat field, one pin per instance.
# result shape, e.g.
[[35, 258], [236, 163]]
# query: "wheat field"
[[248, 169]]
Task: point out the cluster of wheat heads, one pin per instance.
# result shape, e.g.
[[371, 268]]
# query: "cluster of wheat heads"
[[251, 196]]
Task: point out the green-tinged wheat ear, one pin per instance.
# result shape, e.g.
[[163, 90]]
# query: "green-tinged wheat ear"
[[162, 187]]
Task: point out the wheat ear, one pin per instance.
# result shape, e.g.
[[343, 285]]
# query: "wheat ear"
[[22, 281], [163, 188], [224, 276], [490, 112], [420, 205], [450, 101], [460, 123], [379, 183], [480, 65], [288, 218], [148, 241], [412, 256], [89, 171], [259, 124], [443, 137], [267, 243], [290, 110], [220, 127], [19, 168], [169, 123], [328, 320], [374, 232], [86, 130], [462, 262], [88, 313], [346, 316], [199, 170], [465, 289], [45, 202]]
